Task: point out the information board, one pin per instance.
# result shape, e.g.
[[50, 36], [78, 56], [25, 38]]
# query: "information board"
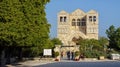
[[47, 52]]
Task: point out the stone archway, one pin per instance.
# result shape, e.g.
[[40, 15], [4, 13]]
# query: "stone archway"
[[70, 42], [73, 39], [76, 35], [76, 40]]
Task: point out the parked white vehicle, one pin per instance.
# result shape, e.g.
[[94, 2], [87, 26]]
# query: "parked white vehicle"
[[115, 56]]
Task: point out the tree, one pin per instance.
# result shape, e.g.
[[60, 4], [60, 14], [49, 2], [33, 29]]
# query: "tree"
[[56, 41], [95, 44], [83, 44], [110, 34], [103, 42], [89, 44], [91, 48], [117, 38], [114, 37], [23, 24]]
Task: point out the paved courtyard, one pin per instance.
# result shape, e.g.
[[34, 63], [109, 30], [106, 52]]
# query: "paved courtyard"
[[83, 64], [66, 63]]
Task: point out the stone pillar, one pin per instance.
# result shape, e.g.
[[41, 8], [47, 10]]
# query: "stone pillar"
[[58, 49]]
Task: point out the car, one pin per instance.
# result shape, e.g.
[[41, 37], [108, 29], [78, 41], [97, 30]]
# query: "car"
[[115, 56]]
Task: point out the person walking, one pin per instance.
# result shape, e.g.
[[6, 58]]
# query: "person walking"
[[72, 54], [68, 55]]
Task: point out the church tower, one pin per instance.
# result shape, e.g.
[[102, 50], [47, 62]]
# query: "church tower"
[[77, 25]]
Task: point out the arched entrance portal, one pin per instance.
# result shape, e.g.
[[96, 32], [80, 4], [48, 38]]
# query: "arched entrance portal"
[[76, 40], [68, 51], [71, 43]]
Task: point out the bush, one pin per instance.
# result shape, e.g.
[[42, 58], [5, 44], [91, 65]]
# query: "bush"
[[77, 53], [93, 54], [56, 54]]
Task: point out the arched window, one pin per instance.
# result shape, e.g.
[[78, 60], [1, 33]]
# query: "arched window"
[[65, 19], [73, 22], [90, 18], [61, 19], [94, 18], [83, 23], [78, 22], [83, 20]]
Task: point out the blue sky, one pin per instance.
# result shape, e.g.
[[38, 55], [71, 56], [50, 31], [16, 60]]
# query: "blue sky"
[[109, 12]]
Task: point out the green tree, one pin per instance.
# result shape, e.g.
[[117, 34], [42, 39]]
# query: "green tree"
[[56, 41], [91, 48], [94, 44], [103, 41], [117, 38], [110, 34], [83, 44], [89, 44], [114, 37], [23, 24]]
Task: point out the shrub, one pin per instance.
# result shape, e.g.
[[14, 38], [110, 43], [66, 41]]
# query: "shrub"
[[56, 54], [93, 54], [77, 53]]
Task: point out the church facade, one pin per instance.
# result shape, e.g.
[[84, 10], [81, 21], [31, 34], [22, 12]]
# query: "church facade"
[[76, 25]]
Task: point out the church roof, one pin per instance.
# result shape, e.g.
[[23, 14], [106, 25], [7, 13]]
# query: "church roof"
[[92, 11], [62, 11], [78, 12]]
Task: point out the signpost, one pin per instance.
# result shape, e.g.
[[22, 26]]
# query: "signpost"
[[47, 52]]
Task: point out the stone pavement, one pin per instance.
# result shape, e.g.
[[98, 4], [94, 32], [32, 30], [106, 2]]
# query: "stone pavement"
[[32, 63]]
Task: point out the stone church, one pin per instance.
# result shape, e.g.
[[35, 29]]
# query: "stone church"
[[76, 25]]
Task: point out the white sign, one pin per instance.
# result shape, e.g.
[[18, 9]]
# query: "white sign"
[[47, 52]]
